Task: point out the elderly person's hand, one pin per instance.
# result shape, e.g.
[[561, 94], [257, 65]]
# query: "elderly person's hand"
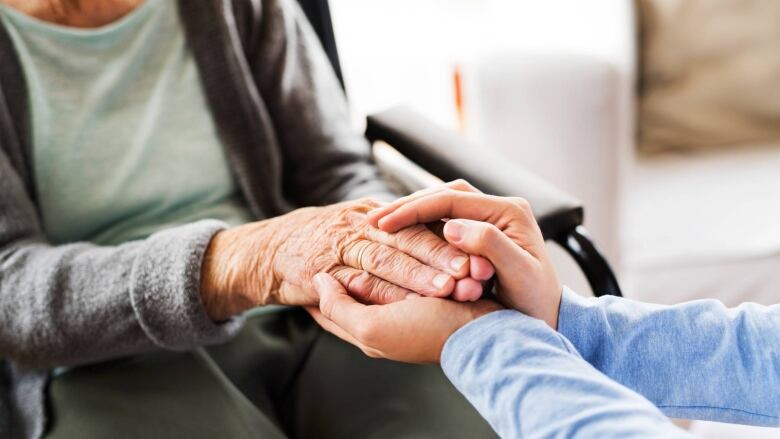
[[273, 261]]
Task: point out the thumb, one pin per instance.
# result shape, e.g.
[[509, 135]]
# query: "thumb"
[[329, 290], [336, 304], [486, 240]]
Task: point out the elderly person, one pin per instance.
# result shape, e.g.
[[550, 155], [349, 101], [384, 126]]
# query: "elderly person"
[[152, 154]]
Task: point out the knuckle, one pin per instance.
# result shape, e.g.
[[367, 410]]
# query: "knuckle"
[[379, 291], [366, 332], [487, 235], [482, 235], [414, 237], [347, 250], [462, 185], [394, 259], [372, 256], [367, 202], [417, 273], [521, 204], [441, 252], [359, 281], [440, 248], [313, 265], [353, 252], [339, 273]]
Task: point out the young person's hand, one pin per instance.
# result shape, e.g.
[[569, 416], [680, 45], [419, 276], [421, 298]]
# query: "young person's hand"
[[412, 330], [503, 230]]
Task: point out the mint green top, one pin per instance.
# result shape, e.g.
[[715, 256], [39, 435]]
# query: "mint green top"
[[123, 142]]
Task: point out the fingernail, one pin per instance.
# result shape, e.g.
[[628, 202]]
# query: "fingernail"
[[382, 223], [454, 230], [373, 212], [458, 262], [440, 280]]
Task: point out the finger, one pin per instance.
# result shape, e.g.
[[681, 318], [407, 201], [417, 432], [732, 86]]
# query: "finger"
[[481, 268], [296, 295], [460, 185], [453, 204], [467, 290], [485, 239], [331, 327], [366, 287], [339, 332], [336, 305], [357, 322], [422, 244], [376, 214], [399, 268]]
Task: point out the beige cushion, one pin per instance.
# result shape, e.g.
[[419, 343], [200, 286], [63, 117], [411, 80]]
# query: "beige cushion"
[[710, 73], [703, 225]]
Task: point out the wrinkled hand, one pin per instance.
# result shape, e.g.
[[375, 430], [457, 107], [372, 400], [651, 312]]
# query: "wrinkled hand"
[[273, 261], [413, 330], [503, 230]]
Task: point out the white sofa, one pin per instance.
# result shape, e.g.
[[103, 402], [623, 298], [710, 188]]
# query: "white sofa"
[[676, 227]]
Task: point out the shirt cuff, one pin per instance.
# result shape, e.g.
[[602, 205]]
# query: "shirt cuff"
[[165, 288], [481, 333], [472, 334], [578, 321]]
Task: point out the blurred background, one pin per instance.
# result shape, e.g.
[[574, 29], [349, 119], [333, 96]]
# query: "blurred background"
[[663, 116]]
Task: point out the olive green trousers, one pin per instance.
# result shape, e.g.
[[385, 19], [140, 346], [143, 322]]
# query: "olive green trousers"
[[282, 376]]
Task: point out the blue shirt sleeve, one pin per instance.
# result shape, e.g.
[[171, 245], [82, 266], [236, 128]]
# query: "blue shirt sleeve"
[[697, 360], [528, 381]]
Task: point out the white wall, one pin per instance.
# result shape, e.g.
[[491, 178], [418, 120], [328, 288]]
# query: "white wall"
[[397, 51], [404, 51]]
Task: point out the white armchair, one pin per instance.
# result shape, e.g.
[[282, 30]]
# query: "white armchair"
[[675, 227]]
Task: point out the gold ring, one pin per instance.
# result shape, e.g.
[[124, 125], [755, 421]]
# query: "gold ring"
[[361, 251]]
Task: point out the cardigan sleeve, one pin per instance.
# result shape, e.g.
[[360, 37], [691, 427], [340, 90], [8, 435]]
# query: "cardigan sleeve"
[[76, 303]]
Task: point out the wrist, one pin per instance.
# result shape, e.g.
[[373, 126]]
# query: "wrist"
[[223, 283], [213, 294]]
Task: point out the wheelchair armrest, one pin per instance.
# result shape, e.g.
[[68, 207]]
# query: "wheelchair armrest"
[[450, 156]]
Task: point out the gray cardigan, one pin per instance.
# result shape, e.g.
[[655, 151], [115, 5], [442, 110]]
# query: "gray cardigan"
[[282, 118]]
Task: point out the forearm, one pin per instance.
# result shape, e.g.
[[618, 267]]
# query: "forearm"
[[696, 360], [79, 303], [528, 381]]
